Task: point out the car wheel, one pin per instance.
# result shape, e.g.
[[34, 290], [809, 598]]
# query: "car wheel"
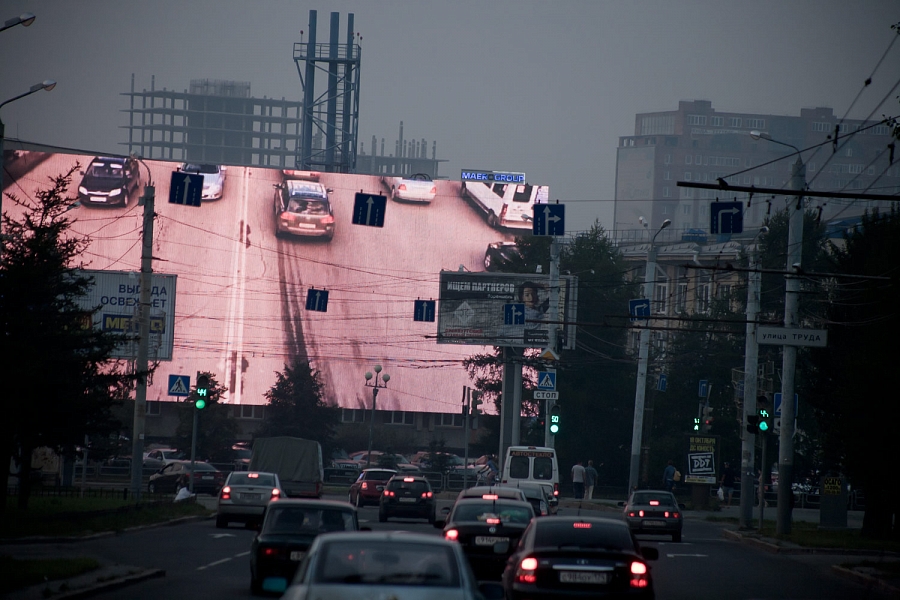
[[676, 537], [221, 522], [382, 518]]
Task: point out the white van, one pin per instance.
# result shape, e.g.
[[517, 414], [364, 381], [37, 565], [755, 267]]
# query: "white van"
[[506, 205], [531, 463]]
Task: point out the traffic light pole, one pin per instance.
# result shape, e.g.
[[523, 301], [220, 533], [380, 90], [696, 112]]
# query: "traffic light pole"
[[141, 366], [552, 337], [751, 366]]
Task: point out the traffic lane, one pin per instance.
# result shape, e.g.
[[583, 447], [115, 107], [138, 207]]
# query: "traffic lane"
[[707, 566]]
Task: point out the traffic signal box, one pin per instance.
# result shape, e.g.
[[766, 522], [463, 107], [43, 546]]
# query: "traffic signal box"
[[202, 392], [761, 422], [554, 419]]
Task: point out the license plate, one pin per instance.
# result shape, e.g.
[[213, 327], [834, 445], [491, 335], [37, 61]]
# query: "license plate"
[[654, 523], [251, 496], [206, 477], [583, 577], [486, 540], [305, 225], [297, 555], [407, 499]]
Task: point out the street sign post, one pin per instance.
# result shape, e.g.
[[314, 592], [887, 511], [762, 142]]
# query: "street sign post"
[[549, 219], [726, 217], [317, 300], [538, 395], [639, 309], [424, 310], [179, 385], [185, 188], [369, 209]]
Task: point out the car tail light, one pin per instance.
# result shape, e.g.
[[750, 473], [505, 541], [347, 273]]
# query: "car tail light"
[[640, 513], [640, 577], [654, 503], [433, 189], [365, 485], [581, 525], [526, 572], [402, 187], [632, 514], [451, 534], [271, 551], [427, 494], [556, 489], [226, 493], [276, 494], [328, 220], [389, 493]]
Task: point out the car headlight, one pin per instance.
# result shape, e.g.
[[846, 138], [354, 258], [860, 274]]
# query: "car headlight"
[[115, 192], [82, 190]]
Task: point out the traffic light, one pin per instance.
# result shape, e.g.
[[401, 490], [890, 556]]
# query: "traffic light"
[[476, 403], [753, 424], [554, 419], [706, 420], [696, 423], [202, 391], [761, 422], [765, 420]]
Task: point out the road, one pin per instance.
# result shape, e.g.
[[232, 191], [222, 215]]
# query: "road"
[[241, 292]]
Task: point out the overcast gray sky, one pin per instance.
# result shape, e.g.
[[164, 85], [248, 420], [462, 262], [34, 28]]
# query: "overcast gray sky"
[[524, 85]]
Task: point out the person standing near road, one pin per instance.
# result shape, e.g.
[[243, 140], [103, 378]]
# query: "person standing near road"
[[669, 477], [578, 480], [590, 479], [727, 482]]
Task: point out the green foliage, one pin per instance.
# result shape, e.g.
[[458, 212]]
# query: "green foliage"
[[297, 408], [216, 426]]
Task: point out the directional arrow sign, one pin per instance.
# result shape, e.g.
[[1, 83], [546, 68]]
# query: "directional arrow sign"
[[185, 188], [424, 310], [639, 308], [317, 300], [368, 209], [513, 314], [726, 217], [549, 219]]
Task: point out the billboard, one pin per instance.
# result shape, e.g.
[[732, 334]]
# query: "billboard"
[[118, 294], [474, 308]]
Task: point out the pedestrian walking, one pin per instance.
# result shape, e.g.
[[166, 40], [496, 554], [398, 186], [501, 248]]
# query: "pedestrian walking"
[[727, 482], [669, 477], [578, 480], [590, 479]]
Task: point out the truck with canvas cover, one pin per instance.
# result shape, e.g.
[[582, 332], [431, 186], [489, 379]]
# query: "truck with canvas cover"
[[298, 463]]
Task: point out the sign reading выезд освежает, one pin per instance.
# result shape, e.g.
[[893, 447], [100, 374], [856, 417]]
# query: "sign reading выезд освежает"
[[115, 300]]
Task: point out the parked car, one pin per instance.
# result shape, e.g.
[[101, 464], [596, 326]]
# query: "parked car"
[[579, 557], [387, 564], [407, 496], [368, 486], [288, 529], [245, 495], [160, 457], [303, 208], [655, 512], [109, 181], [488, 529], [418, 187], [176, 474], [213, 179], [397, 462]]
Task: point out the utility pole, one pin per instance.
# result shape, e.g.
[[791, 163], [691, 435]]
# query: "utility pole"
[[140, 396], [751, 366], [789, 361], [552, 331]]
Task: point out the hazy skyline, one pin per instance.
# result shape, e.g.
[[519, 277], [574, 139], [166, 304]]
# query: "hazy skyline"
[[544, 88]]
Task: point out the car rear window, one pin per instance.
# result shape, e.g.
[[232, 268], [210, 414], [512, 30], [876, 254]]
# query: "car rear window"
[[417, 486], [309, 207], [380, 475], [543, 468], [481, 511], [311, 520], [646, 498], [263, 479], [395, 563], [518, 467], [200, 466], [585, 535]]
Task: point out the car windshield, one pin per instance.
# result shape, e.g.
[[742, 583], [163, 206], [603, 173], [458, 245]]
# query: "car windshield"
[[306, 520], [262, 479], [391, 563], [647, 498], [105, 170], [482, 511], [171, 454], [195, 168], [583, 535], [307, 206]]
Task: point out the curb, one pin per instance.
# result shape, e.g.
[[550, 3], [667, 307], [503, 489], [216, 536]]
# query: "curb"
[[112, 584], [85, 538], [865, 578]]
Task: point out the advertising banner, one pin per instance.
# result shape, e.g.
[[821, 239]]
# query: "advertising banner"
[[481, 309], [701, 459]]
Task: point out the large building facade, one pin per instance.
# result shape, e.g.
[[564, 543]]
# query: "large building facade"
[[697, 143]]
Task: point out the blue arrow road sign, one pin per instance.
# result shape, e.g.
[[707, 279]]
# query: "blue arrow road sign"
[[179, 385], [777, 403], [546, 381], [424, 310], [185, 188], [704, 388], [549, 219], [726, 217], [661, 382], [368, 209], [317, 300], [513, 314], [639, 308]]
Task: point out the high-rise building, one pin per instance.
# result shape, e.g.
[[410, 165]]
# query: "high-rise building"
[[697, 143]]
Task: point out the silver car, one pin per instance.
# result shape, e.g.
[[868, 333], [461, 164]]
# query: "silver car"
[[382, 564], [213, 179], [245, 495]]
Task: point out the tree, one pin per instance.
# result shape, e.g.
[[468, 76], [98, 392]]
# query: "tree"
[[296, 407], [58, 379], [216, 427]]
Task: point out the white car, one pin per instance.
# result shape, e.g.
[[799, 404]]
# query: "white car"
[[213, 178], [245, 495], [506, 205], [415, 188]]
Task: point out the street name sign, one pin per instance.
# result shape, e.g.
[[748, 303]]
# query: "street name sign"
[[538, 395], [791, 336]]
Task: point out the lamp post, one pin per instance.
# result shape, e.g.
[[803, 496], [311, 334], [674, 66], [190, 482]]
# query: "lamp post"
[[641, 388], [372, 381], [47, 84], [25, 20], [789, 353]]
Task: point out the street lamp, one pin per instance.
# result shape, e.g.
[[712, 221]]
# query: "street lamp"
[[372, 382], [47, 84], [25, 20], [641, 388], [789, 353]]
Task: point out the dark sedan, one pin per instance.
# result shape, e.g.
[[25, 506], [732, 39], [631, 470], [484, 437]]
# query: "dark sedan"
[[654, 512], [109, 181], [176, 474], [579, 557], [488, 531], [368, 486], [288, 529], [407, 496]]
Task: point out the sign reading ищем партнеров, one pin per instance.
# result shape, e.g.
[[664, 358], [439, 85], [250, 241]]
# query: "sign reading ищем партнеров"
[[491, 176]]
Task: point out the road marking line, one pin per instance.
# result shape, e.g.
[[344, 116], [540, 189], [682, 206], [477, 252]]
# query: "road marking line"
[[213, 564], [692, 555], [247, 553]]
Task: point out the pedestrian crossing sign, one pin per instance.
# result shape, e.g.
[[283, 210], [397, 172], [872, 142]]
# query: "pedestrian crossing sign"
[[546, 381], [179, 385]]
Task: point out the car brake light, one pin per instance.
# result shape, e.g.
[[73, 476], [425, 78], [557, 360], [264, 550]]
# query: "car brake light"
[[639, 577], [408, 479], [654, 503], [427, 494], [640, 513], [270, 551], [226, 493], [402, 187], [556, 489], [434, 189], [525, 573], [490, 497], [365, 485], [328, 220], [252, 475], [389, 493], [276, 494], [492, 521], [675, 515], [581, 525], [451, 534]]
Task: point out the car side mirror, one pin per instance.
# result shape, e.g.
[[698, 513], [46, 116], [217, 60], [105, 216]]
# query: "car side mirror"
[[445, 511], [650, 553]]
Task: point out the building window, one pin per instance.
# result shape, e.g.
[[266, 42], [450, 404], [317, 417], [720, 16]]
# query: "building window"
[[687, 175], [849, 151], [248, 411], [881, 130], [686, 209], [756, 123], [665, 192], [811, 167], [399, 417], [717, 121], [698, 160], [688, 158], [660, 294], [664, 210], [703, 298], [821, 127], [696, 120], [353, 415], [659, 340], [724, 290], [450, 420], [681, 298], [667, 175], [734, 121], [855, 169], [667, 160], [153, 408]]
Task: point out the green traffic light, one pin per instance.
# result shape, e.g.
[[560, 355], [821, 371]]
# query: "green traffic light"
[[763, 426], [200, 403]]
